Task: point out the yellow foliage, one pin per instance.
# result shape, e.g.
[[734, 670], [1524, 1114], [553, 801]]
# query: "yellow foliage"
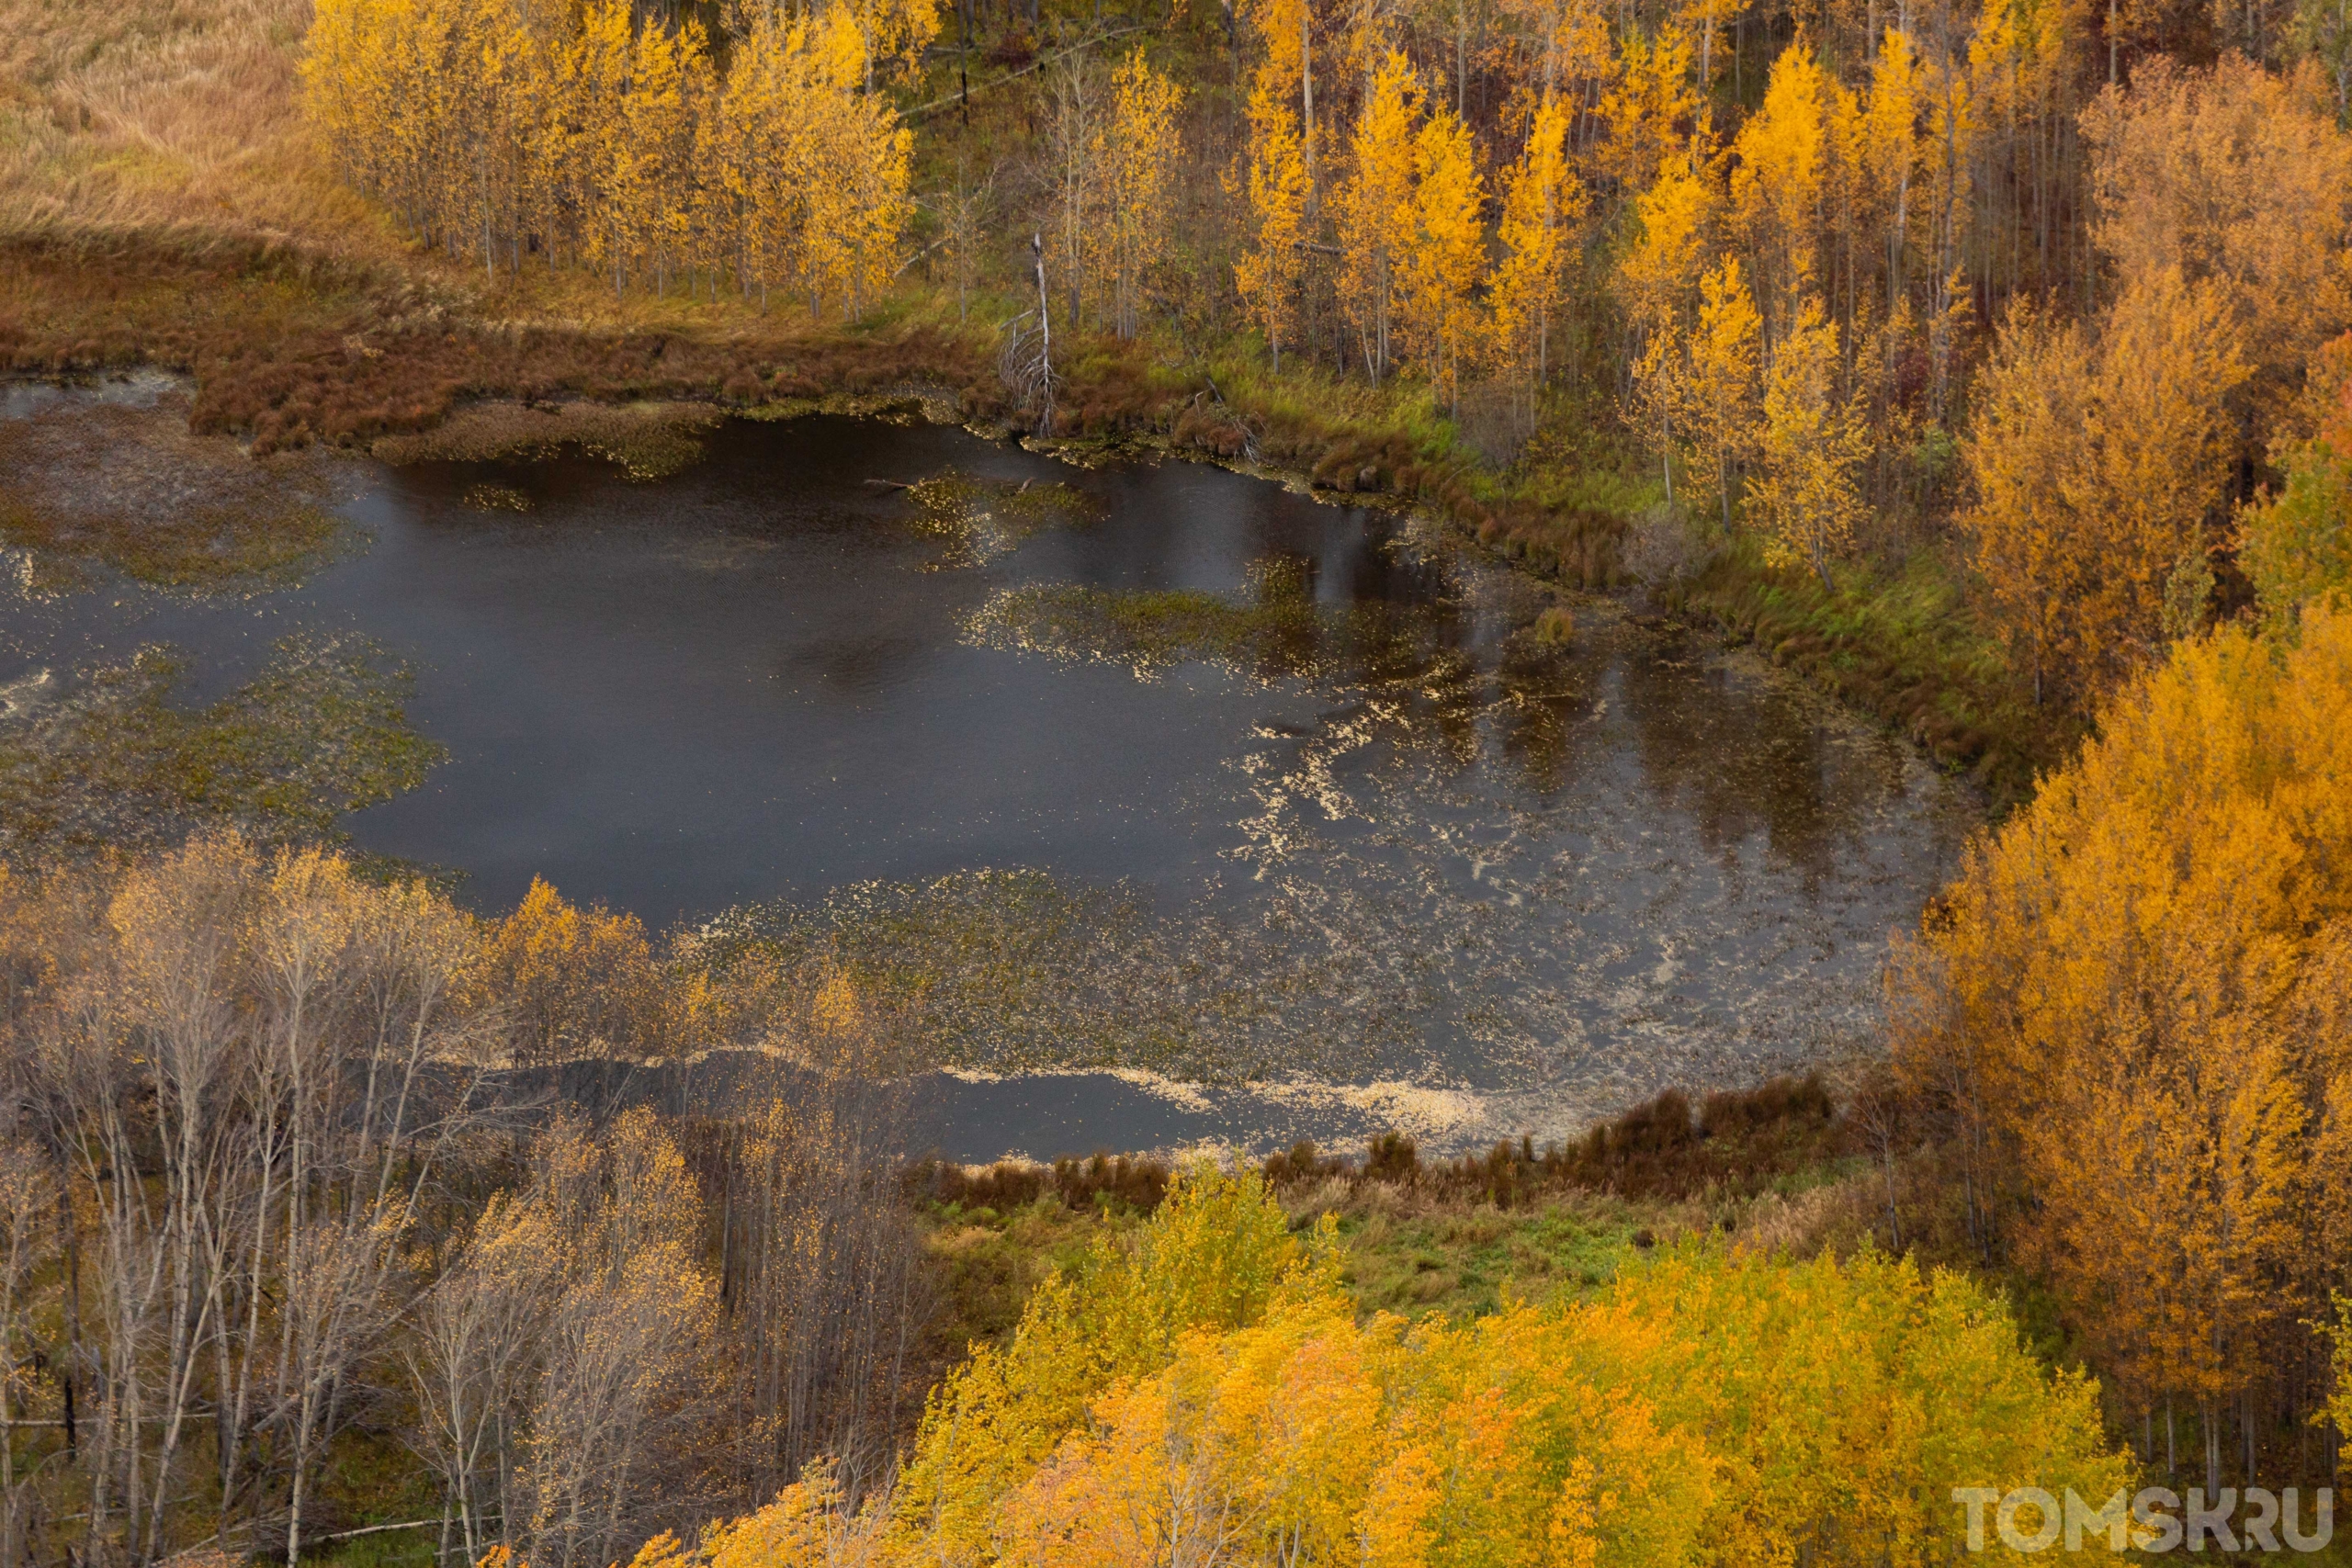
[[1216, 1255], [577, 982], [1651, 108], [1720, 414], [2138, 992], [1436, 317], [2234, 178], [1812, 444], [2100, 466], [1138, 157], [1710, 1408], [1656, 277], [597, 138], [1268, 274], [1543, 203], [1784, 166], [1378, 216], [808, 1526]]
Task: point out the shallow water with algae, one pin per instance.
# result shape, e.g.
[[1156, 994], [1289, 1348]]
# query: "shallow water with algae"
[[1162, 804]]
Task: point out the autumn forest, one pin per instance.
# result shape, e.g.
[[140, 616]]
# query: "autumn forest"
[[1982, 369]]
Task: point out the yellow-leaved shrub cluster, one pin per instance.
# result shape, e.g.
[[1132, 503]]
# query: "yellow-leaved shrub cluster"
[[1205, 1394], [519, 129], [2137, 999]]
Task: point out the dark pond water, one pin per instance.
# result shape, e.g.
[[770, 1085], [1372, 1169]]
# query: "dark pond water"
[[1200, 809]]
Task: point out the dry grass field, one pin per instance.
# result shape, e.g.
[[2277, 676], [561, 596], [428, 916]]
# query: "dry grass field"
[[164, 119]]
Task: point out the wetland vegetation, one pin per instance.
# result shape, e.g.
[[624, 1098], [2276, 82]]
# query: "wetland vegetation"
[[609, 693]]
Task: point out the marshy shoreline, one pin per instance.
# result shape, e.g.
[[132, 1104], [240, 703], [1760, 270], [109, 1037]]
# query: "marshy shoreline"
[[658, 442]]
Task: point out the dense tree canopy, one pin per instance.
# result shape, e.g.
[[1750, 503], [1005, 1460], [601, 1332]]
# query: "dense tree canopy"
[[2139, 996]]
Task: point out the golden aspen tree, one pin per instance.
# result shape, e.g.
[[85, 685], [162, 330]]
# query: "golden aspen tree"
[[1543, 203], [864, 161], [2159, 433], [589, 149], [578, 981], [1721, 415], [1280, 181], [532, 109], [1286, 76], [1140, 157], [1377, 216], [1656, 277], [1650, 110], [2234, 178], [1779, 183], [1812, 444], [653, 173], [1567, 51], [1437, 315], [2100, 470], [763, 155], [342, 81], [2024, 457], [502, 132], [1889, 156], [891, 36], [1269, 274]]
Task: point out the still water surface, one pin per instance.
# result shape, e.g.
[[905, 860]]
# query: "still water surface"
[[1355, 850]]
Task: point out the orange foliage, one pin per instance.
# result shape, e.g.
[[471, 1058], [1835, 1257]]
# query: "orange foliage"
[[2138, 997], [577, 982]]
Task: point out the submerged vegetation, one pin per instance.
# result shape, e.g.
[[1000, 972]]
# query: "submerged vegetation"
[[1279, 631], [977, 520], [196, 548], [130, 489], [1014, 971], [105, 759]]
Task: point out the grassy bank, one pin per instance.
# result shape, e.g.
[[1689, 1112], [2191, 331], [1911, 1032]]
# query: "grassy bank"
[[1453, 1235], [1897, 640]]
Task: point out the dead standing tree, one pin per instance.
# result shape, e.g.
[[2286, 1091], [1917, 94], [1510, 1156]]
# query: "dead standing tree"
[[1027, 365]]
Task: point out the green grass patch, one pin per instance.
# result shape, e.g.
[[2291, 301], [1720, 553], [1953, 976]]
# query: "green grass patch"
[[986, 1262], [1463, 1262]]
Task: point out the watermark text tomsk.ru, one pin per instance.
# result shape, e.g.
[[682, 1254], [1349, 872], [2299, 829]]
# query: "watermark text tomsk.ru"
[[2157, 1519]]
